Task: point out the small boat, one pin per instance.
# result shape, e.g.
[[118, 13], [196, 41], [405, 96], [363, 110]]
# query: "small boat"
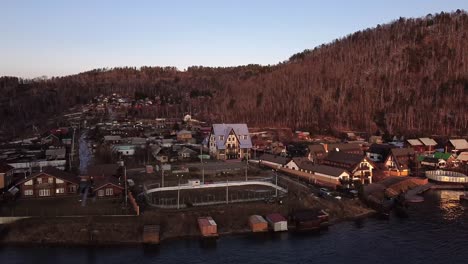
[[464, 198]]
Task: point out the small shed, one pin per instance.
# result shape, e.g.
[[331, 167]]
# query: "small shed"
[[151, 234], [258, 224], [207, 226], [277, 222]]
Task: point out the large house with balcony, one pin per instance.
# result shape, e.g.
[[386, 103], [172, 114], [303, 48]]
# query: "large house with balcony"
[[229, 141], [6, 176], [400, 161], [50, 182], [359, 167]]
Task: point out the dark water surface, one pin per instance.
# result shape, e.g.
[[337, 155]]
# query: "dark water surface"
[[436, 231]]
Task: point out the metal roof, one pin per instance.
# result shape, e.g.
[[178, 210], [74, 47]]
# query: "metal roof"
[[459, 143], [463, 156], [415, 142], [240, 130], [428, 141]]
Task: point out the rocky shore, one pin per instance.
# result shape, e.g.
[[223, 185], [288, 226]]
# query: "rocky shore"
[[175, 224]]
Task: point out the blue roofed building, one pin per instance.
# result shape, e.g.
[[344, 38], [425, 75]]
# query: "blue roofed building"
[[229, 141]]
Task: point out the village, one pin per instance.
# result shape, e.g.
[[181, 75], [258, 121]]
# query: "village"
[[99, 175]]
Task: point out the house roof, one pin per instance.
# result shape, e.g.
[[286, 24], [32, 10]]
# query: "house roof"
[[54, 172], [225, 129], [428, 141], [382, 149], [441, 155], [55, 152], [100, 182], [183, 131], [396, 152], [463, 156], [459, 143], [274, 158], [344, 158], [103, 170], [5, 167], [316, 148], [414, 142], [187, 150], [112, 138], [322, 169], [344, 147], [430, 160]]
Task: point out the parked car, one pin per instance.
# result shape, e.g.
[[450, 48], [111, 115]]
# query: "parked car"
[[324, 192]]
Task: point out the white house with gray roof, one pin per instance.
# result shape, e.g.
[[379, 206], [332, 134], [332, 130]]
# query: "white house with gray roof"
[[229, 141]]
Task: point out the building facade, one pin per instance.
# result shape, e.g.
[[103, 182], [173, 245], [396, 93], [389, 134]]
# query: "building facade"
[[229, 141], [50, 182]]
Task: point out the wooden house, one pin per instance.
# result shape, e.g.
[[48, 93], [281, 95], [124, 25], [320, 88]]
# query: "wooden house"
[[50, 182], [416, 145], [360, 167], [107, 187], [400, 161], [316, 152], [273, 161], [6, 176], [229, 141]]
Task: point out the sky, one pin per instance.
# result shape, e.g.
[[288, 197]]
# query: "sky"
[[63, 37]]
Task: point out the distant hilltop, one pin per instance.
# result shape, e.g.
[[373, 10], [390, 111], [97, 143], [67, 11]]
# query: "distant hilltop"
[[409, 76]]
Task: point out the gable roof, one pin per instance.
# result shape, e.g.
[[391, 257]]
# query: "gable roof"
[[382, 149], [344, 147], [428, 141], [459, 143], [414, 142], [101, 182], [274, 159], [323, 169], [103, 170], [441, 155], [5, 167], [463, 156], [54, 172], [187, 150], [225, 129], [344, 158], [396, 152], [316, 148]]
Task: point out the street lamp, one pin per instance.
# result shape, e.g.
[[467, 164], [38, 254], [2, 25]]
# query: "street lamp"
[[276, 181], [178, 190]]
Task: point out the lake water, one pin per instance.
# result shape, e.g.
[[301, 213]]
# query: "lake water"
[[436, 231]]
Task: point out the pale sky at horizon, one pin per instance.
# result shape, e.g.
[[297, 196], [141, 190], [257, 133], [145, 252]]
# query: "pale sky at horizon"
[[55, 38]]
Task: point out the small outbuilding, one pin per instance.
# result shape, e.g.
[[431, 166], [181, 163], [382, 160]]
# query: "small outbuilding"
[[277, 222]]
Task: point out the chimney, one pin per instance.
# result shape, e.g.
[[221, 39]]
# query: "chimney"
[[325, 146]]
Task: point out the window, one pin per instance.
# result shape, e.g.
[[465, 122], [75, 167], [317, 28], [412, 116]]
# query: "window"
[[44, 192], [58, 181], [221, 138], [109, 191], [72, 189], [101, 193], [28, 192], [60, 190], [39, 180], [30, 182], [51, 180]]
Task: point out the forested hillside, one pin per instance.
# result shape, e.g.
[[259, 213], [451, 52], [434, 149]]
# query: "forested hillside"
[[406, 77]]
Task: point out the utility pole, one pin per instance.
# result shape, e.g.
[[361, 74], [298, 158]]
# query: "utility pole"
[[227, 190], [178, 192], [276, 183], [126, 192], [246, 166], [162, 176]]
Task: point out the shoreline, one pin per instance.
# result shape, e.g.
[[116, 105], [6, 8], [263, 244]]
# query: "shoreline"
[[138, 243]]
